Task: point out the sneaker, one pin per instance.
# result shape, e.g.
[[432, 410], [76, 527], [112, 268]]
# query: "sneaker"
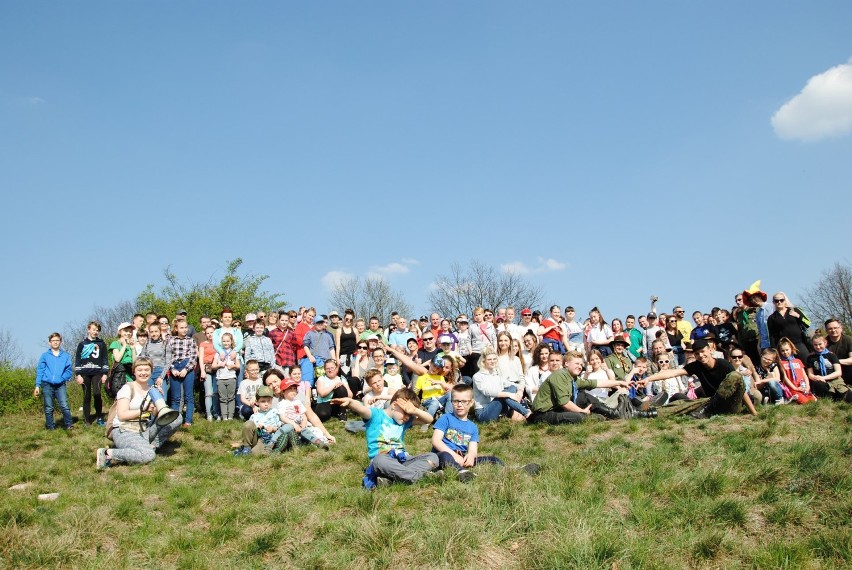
[[101, 422], [322, 444], [101, 459], [765, 400], [382, 482], [780, 402], [244, 450], [466, 475], [69, 428], [437, 474], [209, 418], [531, 469]]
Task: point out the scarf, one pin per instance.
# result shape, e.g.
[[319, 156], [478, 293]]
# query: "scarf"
[[791, 362], [822, 360]]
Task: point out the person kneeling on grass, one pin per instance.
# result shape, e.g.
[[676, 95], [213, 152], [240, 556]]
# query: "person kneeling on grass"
[[294, 413], [719, 381], [456, 438], [134, 429], [385, 434], [264, 431]]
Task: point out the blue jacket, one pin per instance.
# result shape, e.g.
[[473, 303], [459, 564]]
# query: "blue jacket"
[[54, 369]]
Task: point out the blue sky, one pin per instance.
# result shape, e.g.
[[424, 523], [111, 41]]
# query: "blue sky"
[[609, 150]]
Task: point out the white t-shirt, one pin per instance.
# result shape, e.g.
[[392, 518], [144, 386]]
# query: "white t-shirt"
[[371, 401], [136, 395], [394, 382], [293, 410], [599, 393], [248, 388]]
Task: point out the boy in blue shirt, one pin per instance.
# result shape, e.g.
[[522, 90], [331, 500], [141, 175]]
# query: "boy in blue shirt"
[[385, 433], [54, 370], [456, 438]]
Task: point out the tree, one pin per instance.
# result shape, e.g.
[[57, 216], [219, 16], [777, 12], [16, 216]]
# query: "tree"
[[243, 294], [831, 296], [371, 297], [108, 317], [480, 285], [10, 352]]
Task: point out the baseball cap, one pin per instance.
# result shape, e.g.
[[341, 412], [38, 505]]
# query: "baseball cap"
[[527, 311], [264, 392]]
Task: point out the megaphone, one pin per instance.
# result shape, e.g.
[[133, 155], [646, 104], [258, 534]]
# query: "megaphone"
[[165, 415]]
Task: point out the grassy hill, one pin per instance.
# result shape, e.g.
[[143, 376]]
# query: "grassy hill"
[[767, 492]]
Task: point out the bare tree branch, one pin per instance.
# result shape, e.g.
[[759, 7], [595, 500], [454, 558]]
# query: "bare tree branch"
[[371, 297], [480, 285], [831, 297]]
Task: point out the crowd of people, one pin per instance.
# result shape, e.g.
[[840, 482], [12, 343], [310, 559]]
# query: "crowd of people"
[[286, 373]]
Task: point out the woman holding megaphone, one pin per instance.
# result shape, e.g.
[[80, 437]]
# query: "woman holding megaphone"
[[141, 422]]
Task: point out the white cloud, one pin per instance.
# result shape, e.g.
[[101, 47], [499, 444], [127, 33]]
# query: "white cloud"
[[410, 261], [515, 267], [544, 265], [822, 109], [332, 278], [553, 265], [390, 269]]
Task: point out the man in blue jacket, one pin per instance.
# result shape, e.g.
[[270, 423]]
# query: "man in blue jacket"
[[54, 370]]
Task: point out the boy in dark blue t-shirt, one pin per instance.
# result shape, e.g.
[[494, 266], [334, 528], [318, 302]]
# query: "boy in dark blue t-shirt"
[[456, 438]]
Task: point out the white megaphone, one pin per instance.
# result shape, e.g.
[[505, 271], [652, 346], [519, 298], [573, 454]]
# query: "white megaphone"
[[165, 415]]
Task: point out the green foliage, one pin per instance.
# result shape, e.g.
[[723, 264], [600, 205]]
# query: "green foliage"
[[242, 293], [16, 391]]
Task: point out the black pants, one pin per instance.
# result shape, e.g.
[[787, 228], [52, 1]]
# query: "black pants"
[[325, 410], [92, 389]]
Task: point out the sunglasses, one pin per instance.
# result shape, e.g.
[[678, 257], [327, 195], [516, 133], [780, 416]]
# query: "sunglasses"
[[737, 356], [663, 361], [428, 338], [362, 347], [777, 300]]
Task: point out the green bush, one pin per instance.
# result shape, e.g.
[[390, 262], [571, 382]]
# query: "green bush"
[[16, 391]]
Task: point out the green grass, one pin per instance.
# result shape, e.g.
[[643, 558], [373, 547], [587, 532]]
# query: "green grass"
[[767, 492]]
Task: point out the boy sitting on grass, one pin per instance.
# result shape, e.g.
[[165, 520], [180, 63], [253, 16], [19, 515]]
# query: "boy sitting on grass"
[[385, 433], [456, 438], [264, 428]]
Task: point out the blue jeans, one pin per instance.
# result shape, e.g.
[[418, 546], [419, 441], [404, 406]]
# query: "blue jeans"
[[60, 392], [186, 383], [211, 396], [499, 406], [307, 370], [432, 405]]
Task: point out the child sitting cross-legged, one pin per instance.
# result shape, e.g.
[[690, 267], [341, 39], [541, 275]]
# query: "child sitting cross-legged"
[[456, 437], [385, 433], [294, 413], [264, 431]]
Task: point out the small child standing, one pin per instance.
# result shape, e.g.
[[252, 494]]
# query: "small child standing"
[[53, 371], [264, 428], [389, 461], [294, 413], [226, 363]]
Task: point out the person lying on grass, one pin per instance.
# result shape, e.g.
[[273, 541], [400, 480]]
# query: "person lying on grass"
[[386, 429], [456, 438]]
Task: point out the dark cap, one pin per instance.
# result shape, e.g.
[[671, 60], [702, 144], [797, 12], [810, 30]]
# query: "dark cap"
[[698, 344]]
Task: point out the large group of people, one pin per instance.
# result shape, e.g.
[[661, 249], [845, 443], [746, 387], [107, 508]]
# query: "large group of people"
[[284, 373]]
